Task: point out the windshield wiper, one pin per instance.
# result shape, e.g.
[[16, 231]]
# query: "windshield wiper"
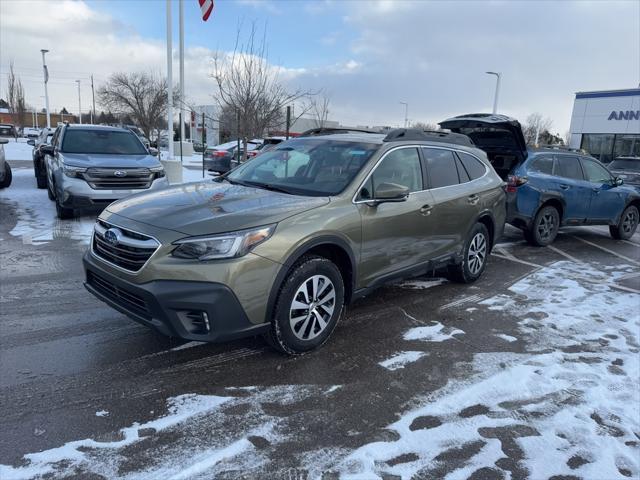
[[269, 186]]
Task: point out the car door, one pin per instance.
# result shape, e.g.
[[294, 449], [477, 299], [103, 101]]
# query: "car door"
[[607, 202], [569, 184], [455, 203], [395, 235]]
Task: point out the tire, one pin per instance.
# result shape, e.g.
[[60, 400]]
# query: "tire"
[[295, 331], [627, 225], [50, 192], [41, 177], [475, 255], [8, 177], [544, 227], [63, 213]]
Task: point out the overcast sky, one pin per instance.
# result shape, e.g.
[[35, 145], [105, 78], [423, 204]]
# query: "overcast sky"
[[368, 55]]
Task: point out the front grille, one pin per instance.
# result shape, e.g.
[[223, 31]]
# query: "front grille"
[[129, 301], [126, 179], [130, 252]]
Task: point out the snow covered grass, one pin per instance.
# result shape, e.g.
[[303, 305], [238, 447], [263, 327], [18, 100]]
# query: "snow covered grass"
[[570, 407]]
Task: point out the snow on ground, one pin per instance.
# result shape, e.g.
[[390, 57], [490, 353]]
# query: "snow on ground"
[[36, 214], [432, 333], [422, 284], [401, 359], [19, 150], [569, 407], [507, 338]]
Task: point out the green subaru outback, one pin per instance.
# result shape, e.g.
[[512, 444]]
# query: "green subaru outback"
[[279, 245]]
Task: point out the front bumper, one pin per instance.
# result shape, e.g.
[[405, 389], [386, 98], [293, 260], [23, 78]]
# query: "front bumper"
[[174, 307], [76, 193]]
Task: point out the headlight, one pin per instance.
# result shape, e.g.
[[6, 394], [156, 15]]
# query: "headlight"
[[226, 245], [73, 172], [159, 171]]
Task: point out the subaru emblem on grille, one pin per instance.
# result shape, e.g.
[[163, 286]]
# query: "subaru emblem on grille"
[[120, 173], [113, 236]]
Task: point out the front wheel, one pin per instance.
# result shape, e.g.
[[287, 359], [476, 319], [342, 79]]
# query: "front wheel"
[[63, 213], [476, 251], [544, 228], [8, 176], [308, 307], [627, 225]]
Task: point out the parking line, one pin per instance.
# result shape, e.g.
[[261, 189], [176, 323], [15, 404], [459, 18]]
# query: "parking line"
[[564, 254], [631, 260], [631, 243], [511, 258]]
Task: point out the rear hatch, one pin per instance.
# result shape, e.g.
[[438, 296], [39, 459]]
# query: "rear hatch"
[[499, 136]]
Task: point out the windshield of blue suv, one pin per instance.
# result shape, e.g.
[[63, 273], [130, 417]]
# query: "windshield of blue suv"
[[306, 166], [111, 142]]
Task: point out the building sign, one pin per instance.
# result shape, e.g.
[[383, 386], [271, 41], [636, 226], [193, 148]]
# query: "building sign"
[[622, 115]]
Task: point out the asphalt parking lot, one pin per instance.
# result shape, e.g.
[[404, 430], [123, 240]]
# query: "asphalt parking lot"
[[532, 372]]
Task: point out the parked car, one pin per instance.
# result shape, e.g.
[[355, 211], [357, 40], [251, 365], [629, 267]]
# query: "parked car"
[[279, 245], [138, 131], [8, 130], [224, 157], [198, 146], [30, 132], [550, 188], [5, 168], [90, 166], [628, 169], [39, 164], [268, 144]]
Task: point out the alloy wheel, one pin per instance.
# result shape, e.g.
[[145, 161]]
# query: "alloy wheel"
[[629, 222], [477, 253], [546, 226], [312, 307]]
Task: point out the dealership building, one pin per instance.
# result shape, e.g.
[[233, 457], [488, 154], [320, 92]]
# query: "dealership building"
[[607, 123]]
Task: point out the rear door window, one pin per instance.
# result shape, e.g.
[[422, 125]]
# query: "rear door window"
[[474, 167], [568, 166], [441, 167], [542, 164]]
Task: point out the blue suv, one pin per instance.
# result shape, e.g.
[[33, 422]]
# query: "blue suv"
[[550, 188]]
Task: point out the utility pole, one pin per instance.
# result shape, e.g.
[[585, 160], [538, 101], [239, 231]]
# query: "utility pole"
[[406, 113], [79, 103], [46, 92], [495, 98], [93, 98], [169, 83], [288, 120], [181, 14]]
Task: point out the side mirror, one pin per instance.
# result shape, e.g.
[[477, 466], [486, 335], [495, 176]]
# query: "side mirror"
[[3, 141], [153, 151], [617, 181], [47, 149], [31, 142], [390, 192]]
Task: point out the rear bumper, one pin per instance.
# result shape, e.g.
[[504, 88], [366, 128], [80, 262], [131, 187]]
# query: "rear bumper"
[[170, 306]]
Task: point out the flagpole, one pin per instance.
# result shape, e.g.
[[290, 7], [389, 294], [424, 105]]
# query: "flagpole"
[[182, 97], [169, 83]]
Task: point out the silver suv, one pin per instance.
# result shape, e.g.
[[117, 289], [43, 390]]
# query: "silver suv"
[[90, 166]]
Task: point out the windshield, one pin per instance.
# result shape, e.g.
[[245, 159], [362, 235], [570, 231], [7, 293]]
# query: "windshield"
[[309, 166], [625, 164], [112, 142]]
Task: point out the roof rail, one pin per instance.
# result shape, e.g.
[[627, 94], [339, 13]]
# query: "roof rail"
[[415, 134], [562, 147], [332, 130]]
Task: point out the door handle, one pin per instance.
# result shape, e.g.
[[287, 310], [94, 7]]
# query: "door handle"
[[596, 190], [565, 187], [425, 210], [473, 199]]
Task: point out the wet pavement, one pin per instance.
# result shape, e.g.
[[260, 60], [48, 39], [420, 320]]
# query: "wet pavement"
[[422, 379]]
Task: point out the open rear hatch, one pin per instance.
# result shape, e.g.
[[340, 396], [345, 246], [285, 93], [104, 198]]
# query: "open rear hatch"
[[498, 135]]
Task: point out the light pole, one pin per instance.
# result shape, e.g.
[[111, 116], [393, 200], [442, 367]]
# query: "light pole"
[[169, 83], [406, 113], [79, 104], [46, 93], [495, 98]]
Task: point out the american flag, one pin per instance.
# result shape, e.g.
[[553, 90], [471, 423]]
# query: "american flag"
[[206, 7]]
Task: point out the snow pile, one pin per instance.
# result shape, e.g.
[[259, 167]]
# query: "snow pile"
[[401, 359], [572, 407], [433, 333]]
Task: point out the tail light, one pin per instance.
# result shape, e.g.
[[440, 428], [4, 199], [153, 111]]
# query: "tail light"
[[514, 181], [219, 153]]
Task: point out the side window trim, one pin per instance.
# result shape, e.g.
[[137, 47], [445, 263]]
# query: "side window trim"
[[459, 166]]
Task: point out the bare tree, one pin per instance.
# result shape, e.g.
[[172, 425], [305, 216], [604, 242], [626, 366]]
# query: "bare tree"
[[567, 138], [535, 125], [319, 110], [430, 127], [139, 96], [15, 97], [21, 105], [250, 89]]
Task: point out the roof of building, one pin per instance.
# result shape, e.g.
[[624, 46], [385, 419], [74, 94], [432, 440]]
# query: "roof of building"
[[628, 92]]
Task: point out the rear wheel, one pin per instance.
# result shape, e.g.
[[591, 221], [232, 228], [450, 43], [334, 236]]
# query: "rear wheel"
[[8, 176], [544, 228], [627, 225], [476, 251], [41, 174], [308, 307]]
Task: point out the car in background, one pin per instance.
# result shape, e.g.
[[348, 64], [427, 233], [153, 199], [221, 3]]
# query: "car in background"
[[628, 169], [5, 168], [90, 166], [8, 130], [224, 157], [279, 245], [30, 132], [138, 131], [39, 164], [198, 146], [550, 187], [268, 144]]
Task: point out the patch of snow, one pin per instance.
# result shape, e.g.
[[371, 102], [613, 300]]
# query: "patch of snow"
[[102, 413], [401, 359], [332, 389], [432, 333], [507, 338], [422, 284]]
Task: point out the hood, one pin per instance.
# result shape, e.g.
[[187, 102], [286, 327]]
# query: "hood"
[[492, 133], [629, 177], [109, 161], [210, 207]]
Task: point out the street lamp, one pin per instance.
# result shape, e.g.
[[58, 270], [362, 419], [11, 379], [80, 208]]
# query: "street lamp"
[[495, 98], [46, 93], [406, 113], [79, 104]]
